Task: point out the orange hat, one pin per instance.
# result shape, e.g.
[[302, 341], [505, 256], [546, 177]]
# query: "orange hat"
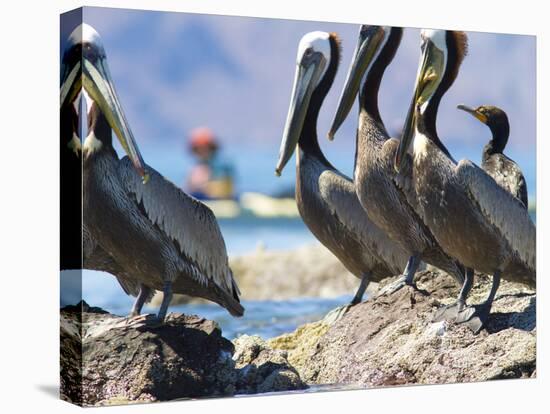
[[202, 137]]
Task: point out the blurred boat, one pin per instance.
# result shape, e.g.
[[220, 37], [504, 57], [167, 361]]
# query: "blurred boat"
[[256, 204]]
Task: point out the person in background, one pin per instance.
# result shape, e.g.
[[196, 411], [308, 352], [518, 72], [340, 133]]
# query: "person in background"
[[211, 177]]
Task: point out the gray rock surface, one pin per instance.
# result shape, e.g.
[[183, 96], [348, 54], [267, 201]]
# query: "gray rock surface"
[[132, 360], [391, 340]]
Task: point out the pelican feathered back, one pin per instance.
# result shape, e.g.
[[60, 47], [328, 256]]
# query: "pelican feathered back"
[[339, 193], [190, 224]]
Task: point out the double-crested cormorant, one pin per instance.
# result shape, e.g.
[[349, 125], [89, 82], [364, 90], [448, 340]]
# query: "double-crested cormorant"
[[473, 218], [325, 197], [504, 170]]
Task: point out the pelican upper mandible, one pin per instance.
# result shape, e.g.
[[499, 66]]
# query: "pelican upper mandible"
[[505, 171], [473, 218], [385, 195], [158, 237], [325, 197]]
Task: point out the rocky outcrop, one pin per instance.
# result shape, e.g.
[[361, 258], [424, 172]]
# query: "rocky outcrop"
[[387, 340], [136, 360], [391, 340]]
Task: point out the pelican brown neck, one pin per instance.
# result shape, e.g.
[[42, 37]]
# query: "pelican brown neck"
[[308, 141], [370, 45], [368, 95], [427, 123], [442, 54], [316, 65]]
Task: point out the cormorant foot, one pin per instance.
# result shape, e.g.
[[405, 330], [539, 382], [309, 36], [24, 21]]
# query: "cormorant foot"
[[449, 313], [474, 317]]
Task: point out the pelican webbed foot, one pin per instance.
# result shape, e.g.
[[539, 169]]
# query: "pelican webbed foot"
[[339, 312], [407, 279], [475, 317], [451, 312], [336, 314]]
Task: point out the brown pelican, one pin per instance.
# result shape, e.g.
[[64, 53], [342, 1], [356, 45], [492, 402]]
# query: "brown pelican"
[[158, 236], [473, 218], [325, 197], [382, 193], [504, 171], [76, 241]]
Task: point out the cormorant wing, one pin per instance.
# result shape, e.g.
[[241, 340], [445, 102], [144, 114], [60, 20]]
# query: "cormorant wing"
[[507, 173], [339, 193], [501, 209], [185, 220]]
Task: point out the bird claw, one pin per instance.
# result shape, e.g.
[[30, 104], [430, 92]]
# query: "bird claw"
[[474, 317], [448, 313], [395, 286], [336, 314], [147, 320]]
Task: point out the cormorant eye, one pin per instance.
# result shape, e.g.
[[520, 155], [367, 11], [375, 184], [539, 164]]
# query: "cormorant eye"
[[309, 52]]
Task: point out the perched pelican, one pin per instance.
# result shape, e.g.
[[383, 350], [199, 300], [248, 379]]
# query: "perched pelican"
[[504, 171], [382, 193], [325, 197], [76, 242], [473, 218], [157, 236]]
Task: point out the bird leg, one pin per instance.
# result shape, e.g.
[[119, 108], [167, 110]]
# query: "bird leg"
[[336, 314], [407, 279], [365, 279], [450, 312], [475, 317], [167, 298], [144, 292]]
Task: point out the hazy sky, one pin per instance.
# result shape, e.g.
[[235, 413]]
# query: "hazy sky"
[[176, 71]]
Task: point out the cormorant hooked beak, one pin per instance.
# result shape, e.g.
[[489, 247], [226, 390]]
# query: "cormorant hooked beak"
[[85, 66], [430, 73], [309, 69], [474, 112], [370, 40]]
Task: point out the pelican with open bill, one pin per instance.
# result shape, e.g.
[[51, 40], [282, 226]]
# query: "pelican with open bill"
[[386, 196], [473, 218], [136, 223], [505, 171], [326, 198]]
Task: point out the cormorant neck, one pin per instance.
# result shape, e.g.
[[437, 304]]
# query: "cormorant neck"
[[308, 139], [368, 95], [501, 132]]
